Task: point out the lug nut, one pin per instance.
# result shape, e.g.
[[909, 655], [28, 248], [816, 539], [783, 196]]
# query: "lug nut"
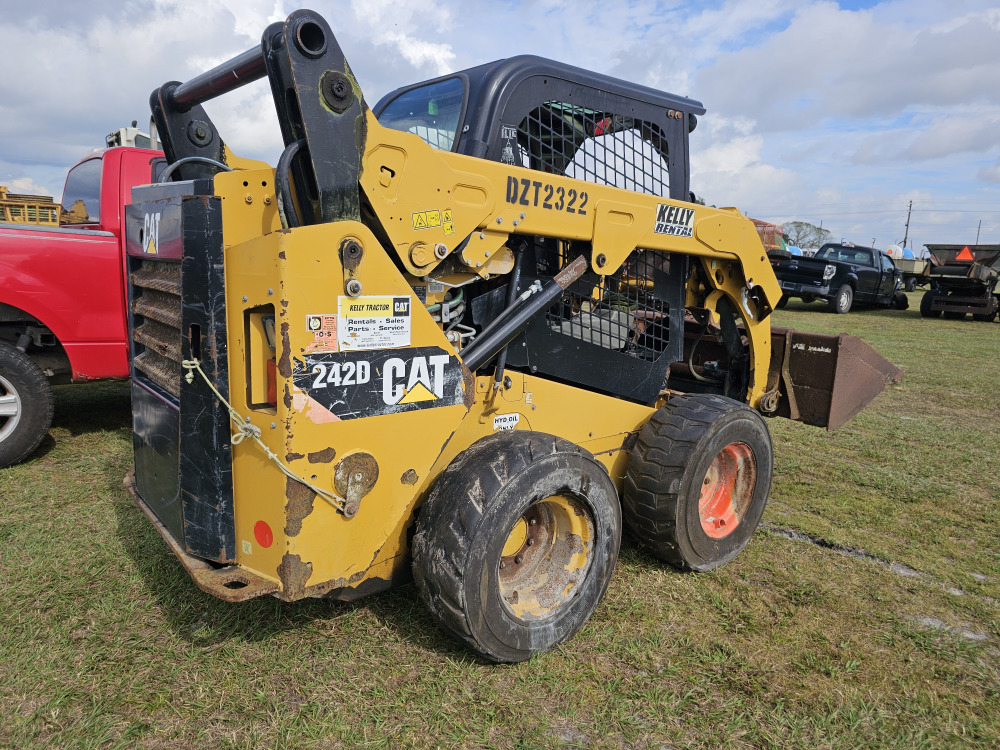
[[531, 542], [519, 559]]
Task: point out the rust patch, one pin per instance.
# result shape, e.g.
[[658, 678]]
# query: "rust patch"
[[351, 255], [293, 574], [294, 456], [354, 478], [282, 255], [299, 506], [469, 384], [324, 456], [409, 477], [287, 398], [284, 365]]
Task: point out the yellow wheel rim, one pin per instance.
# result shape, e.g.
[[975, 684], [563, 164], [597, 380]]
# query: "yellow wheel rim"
[[545, 558]]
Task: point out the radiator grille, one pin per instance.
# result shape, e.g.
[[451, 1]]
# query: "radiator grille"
[[156, 309]]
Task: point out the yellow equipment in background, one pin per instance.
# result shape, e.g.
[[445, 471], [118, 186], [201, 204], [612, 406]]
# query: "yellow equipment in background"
[[28, 209], [446, 340]]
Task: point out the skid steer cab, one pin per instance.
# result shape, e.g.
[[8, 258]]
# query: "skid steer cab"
[[462, 340]]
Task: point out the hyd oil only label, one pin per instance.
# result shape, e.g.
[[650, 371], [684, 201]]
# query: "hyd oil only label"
[[365, 384]]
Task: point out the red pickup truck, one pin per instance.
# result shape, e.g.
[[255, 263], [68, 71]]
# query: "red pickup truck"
[[62, 295]]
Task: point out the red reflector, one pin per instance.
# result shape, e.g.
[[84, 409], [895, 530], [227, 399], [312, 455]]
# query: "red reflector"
[[966, 254], [263, 534], [272, 383]]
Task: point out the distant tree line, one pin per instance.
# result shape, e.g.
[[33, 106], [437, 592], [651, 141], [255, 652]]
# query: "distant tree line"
[[804, 234]]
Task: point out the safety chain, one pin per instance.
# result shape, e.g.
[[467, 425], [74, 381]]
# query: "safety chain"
[[244, 429]]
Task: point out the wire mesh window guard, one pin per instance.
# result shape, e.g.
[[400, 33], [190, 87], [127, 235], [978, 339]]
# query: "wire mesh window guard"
[[618, 312], [597, 147]]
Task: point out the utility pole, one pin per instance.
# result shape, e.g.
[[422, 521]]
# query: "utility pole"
[[906, 234], [977, 231]]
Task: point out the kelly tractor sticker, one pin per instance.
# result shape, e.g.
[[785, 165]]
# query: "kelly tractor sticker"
[[368, 323], [364, 384]]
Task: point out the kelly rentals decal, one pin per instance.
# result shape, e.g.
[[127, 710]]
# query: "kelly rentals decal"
[[674, 220]]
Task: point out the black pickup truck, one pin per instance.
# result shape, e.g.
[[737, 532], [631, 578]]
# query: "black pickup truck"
[[842, 275]]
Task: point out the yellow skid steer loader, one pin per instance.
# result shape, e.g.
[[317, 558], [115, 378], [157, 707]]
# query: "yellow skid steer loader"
[[459, 338]]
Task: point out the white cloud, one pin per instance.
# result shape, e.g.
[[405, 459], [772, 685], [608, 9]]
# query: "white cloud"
[[835, 113]]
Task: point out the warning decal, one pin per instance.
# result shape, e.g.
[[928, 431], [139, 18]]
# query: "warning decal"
[[373, 323], [365, 384], [426, 219], [434, 219], [324, 332]]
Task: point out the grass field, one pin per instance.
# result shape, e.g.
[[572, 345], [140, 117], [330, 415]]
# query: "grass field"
[[864, 613]]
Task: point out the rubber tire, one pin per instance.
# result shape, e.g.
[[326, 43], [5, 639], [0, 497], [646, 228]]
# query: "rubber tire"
[[21, 377], [463, 526], [808, 298], [666, 470], [910, 284], [925, 306], [781, 302], [841, 302], [900, 301], [953, 315]]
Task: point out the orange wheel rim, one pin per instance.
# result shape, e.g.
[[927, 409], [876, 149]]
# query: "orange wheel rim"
[[727, 490]]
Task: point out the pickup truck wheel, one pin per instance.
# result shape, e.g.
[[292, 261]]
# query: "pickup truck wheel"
[[807, 298], [925, 305], [841, 302], [900, 301], [516, 543], [911, 284], [698, 480], [25, 405]]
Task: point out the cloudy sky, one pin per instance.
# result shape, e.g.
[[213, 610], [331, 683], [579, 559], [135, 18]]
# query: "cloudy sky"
[[835, 112]]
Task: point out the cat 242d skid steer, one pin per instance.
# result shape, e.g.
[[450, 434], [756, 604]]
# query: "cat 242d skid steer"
[[460, 337]]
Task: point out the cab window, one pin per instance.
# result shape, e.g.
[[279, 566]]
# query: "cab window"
[[430, 111], [81, 201]]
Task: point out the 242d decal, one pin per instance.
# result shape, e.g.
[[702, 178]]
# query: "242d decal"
[[362, 384]]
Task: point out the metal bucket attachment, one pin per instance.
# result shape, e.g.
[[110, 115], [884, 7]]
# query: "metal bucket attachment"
[[823, 380]]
